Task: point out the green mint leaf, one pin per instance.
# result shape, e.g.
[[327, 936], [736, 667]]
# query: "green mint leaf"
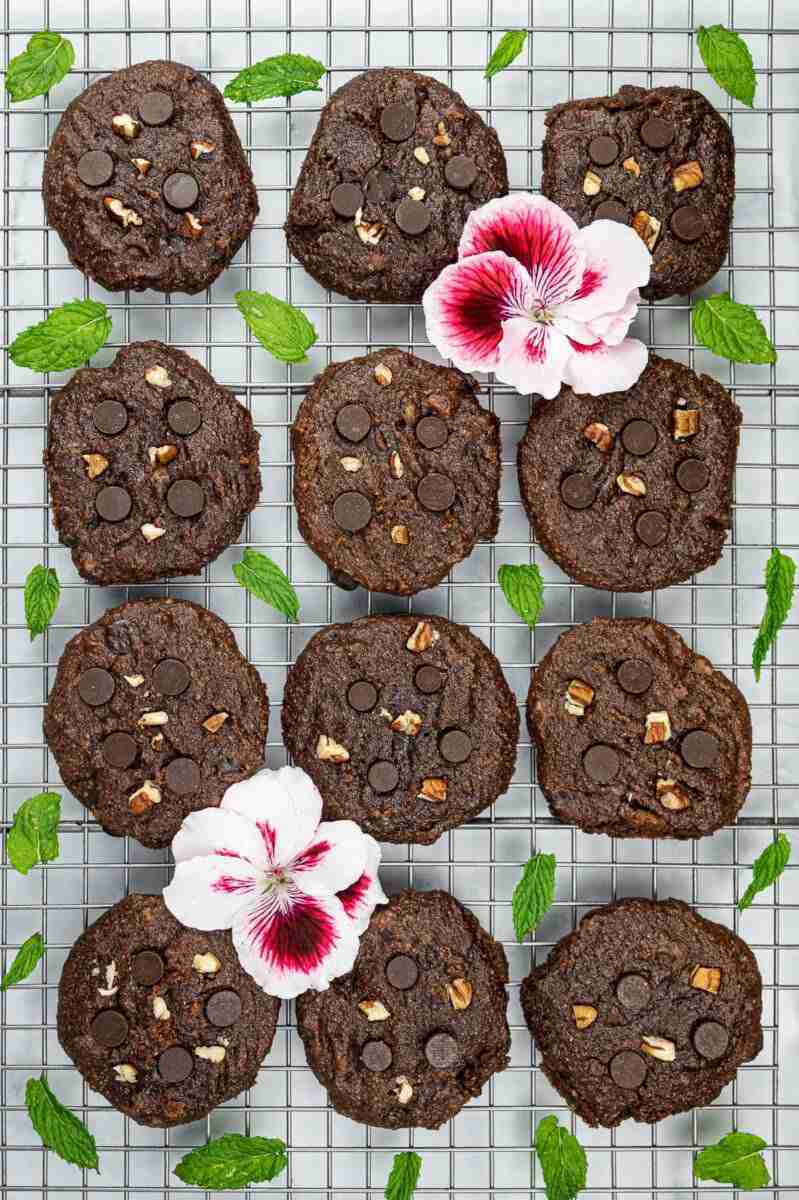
[[42, 591], [736, 1159], [25, 960], [562, 1159], [58, 1127], [534, 894], [281, 328], [727, 57], [283, 75], [523, 588], [259, 575], [780, 576], [33, 837], [732, 330], [43, 63], [767, 869], [509, 46], [404, 1176], [68, 338], [233, 1161]]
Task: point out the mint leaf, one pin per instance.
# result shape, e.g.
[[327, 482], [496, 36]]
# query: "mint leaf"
[[562, 1159], [766, 869], [233, 1161], [283, 75], [509, 46], [534, 894], [58, 1127], [780, 576], [732, 330], [67, 338], [25, 960], [259, 575], [523, 588], [404, 1176], [280, 327], [736, 1159], [727, 57], [33, 837], [42, 591], [42, 64]]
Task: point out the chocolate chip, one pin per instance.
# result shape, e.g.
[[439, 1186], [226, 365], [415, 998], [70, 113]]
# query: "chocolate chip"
[[652, 528], [156, 108], [147, 967], [601, 763], [382, 777], [699, 749], [577, 490], [223, 1008], [379, 186], [657, 134], [362, 695], [109, 1028], [113, 503], [171, 677], [687, 224], [635, 676], [441, 1051], [429, 679], [436, 492], [344, 581], [639, 437], [95, 168], [183, 776], [412, 217], [455, 746], [402, 971], [628, 1070], [692, 475], [352, 511], [180, 190], [376, 1056], [119, 750], [633, 991], [461, 172], [175, 1064], [184, 418], [346, 199], [398, 121], [603, 150], [353, 422], [612, 210], [110, 417], [711, 1039], [431, 432], [186, 498], [96, 686]]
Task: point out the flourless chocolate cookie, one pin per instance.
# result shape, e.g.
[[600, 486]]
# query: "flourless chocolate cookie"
[[645, 1011], [397, 470], [397, 163], [146, 181], [419, 1025], [662, 161], [160, 1019], [405, 724], [638, 736], [154, 713], [633, 490], [152, 466]]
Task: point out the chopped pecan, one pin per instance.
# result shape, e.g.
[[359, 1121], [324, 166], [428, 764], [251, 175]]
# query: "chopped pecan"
[[162, 454], [190, 227], [95, 464], [671, 795], [331, 751], [215, 722], [143, 799], [153, 718], [214, 1054], [633, 485], [383, 374], [142, 165], [402, 1089], [369, 233], [648, 228], [407, 722], [126, 1072], [600, 435], [433, 789], [687, 176], [658, 728], [686, 423], [158, 376], [200, 148], [658, 1047], [395, 465], [400, 535], [460, 993], [631, 167], [584, 1015], [423, 637], [592, 184], [206, 964], [706, 979], [125, 216], [125, 126], [441, 137], [578, 696], [374, 1010], [421, 155], [350, 463], [151, 532]]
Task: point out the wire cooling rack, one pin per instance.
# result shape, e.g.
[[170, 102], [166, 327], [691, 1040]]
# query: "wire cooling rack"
[[577, 48]]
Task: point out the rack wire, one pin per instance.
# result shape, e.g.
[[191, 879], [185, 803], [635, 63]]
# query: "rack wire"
[[576, 48]]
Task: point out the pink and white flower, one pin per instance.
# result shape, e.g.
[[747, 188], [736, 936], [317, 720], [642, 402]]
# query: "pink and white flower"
[[296, 891], [540, 302]]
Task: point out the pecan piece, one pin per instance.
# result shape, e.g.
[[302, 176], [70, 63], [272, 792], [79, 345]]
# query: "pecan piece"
[[658, 728], [584, 1015], [648, 228], [600, 435], [95, 464], [706, 979], [433, 789], [423, 637], [331, 751], [687, 176]]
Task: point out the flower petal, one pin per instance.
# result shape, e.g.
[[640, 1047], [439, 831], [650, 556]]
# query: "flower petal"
[[533, 357], [466, 305], [213, 831], [335, 858], [595, 370], [285, 807], [362, 897], [206, 893], [613, 327], [616, 262]]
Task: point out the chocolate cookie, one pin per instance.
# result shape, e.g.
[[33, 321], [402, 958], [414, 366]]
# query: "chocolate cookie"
[[152, 466], [419, 1024], [160, 1019], [645, 1011], [405, 724], [146, 181], [397, 470], [662, 161], [638, 736], [397, 163], [633, 490], [154, 713]]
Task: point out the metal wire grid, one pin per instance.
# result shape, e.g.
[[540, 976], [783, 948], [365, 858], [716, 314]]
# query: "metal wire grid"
[[577, 48]]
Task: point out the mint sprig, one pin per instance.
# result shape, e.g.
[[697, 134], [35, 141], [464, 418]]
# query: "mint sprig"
[[42, 64], [282, 75], [281, 328], [68, 337], [736, 1159], [58, 1127], [767, 869], [728, 59], [404, 1175], [233, 1161], [562, 1159], [780, 579], [264, 578], [534, 894], [24, 962], [33, 837], [732, 330], [508, 48], [523, 588], [42, 591]]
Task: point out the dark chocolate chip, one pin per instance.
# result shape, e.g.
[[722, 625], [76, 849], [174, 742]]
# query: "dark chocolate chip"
[[639, 437], [223, 1008], [628, 1070], [353, 422], [699, 749], [109, 1028], [431, 432], [379, 186], [362, 695], [184, 418], [147, 967], [577, 490], [603, 150], [461, 172], [344, 581], [455, 746], [110, 417], [156, 108], [652, 528], [398, 121], [376, 1056], [180, 190], [171, 677], [657, 134], [692, 475], [186, 498], [120, 750], [402, 971], [96, 686], [612, 210], [711, 1039], [95, 168], [113, 503], [687, 224], [412, 217], [635, 676], [175, 1064], [633, 991], [441, 1051], [352, 511], [601, 763], [183, 776], [346, 199], [436, 492], [429, 679], [382, 777]]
